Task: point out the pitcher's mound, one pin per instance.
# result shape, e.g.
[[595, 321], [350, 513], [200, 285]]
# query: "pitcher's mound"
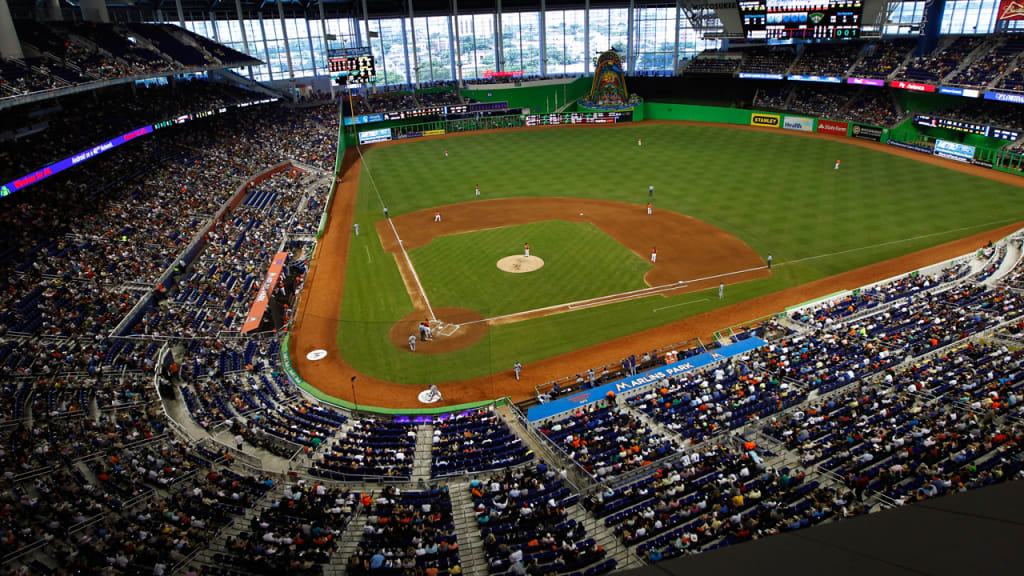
[[520, 264]]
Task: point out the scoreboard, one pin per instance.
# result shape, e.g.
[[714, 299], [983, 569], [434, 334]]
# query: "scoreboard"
[[814, 19], [356, 68], [578, 118], [968, 127]]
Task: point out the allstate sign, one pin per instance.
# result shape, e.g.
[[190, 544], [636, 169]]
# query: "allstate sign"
[[798, 123]]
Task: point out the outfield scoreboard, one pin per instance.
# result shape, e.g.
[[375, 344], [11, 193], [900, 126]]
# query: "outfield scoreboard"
[[812, 19], [564, 118], [357, 69], [967, 127]]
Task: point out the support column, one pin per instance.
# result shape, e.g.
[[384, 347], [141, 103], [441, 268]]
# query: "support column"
[[266, 50], [499, 49], [213, 24], [52, 11], [95, 11], [287, 51], [586, 37], [675, 47], [629, 37], [181, 13], [412, 37], [405, 49], [245, 35], [543, 39], [451, 44], [932, 25], [312, 51], [10, 46], [323, 30]]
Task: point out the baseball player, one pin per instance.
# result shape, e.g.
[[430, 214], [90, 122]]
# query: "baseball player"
[[721, 290], [437, 215], [356, 228], [526, 249], [769, 259], [412, 342], [836, 167], [639, 141], [445, 153], [434, 393], [654, 254], [648, 208], [650, 191], [477, 189], [517, 367]]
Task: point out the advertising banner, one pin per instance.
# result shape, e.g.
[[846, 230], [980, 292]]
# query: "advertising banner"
[[1005, 97], [364, 119], [910, 146], [766, 120], [650, 377], [760, 76], [259, 306], [954, 151], [965, 92], [867, 132], [433, 132], [913, 86], [1011, 10], [830, 127], [827, 79], [865, 81], [371, 136], [798, 123]]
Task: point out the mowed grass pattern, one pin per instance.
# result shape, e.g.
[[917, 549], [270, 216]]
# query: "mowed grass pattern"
[[580, 262], [776, 191]]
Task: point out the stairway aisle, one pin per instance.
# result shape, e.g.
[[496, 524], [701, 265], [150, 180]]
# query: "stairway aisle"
[[471, 545]]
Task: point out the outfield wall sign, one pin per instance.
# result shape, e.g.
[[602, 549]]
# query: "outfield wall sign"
[[798, 123], [830, 127], [867, 132], [766, 120], [639, 381], [954, 151]]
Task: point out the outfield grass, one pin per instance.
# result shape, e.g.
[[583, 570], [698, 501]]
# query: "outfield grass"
[[775, 191], [460, 270]]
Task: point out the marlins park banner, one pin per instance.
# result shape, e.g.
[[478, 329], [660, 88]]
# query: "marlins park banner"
[[259, 306], [798, 123], [766, 120]]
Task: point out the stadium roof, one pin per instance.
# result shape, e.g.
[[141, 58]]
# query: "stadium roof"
[[340, 8]]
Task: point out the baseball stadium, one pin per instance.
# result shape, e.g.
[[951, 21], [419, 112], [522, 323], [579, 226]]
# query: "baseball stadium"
[[525, 287]]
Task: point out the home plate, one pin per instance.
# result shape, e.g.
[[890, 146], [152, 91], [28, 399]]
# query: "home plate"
[[316, 355], [445, 329]]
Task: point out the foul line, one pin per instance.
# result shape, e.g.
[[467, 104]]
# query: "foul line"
[[401, 246], [797, 261], [613, 298], [680, 304], [368, 254]]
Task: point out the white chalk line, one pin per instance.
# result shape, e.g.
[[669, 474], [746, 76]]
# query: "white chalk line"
[[681, 304], [922, 236], [368, 254], [613, 298], [401, 246]]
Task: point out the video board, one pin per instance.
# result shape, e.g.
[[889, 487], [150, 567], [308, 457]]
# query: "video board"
[[812, 19], [578, 118], [357, 69]]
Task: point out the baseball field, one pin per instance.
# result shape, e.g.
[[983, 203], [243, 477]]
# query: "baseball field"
[[723, 200]]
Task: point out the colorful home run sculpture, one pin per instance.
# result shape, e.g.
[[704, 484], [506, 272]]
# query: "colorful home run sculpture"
[[609, 89]]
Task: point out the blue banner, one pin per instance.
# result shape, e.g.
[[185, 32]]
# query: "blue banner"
[[61, 165], [965, 92], [760, 76], [827, 79], [364, 119], [1005, 97], [556, 407]]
